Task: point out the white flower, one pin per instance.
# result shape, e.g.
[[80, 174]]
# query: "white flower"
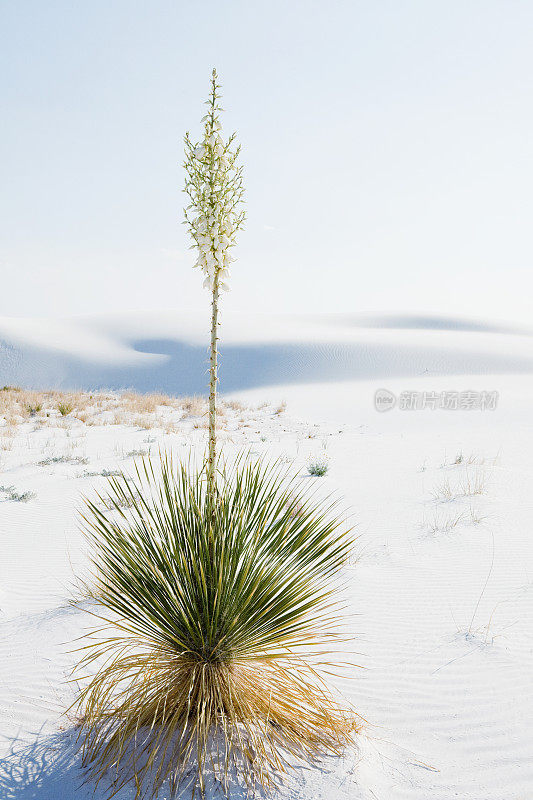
[[199, 152]]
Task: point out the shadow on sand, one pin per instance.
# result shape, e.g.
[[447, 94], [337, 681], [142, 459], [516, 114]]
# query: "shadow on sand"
[[180, 368], [48, 769]]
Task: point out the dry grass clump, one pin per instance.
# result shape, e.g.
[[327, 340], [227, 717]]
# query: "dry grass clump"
[[194, 406], [169, 427], [204, 425], [234, 405], [7, 436], [472, 484], [445, 524], [444, 492], [470, 460], [147, 421], [213, 612], [135, 403]]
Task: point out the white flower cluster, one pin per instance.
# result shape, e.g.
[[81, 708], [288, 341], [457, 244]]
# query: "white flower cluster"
[[214, 186], [213, 241]]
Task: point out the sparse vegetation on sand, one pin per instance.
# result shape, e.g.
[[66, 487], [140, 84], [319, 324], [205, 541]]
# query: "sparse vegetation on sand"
[[154, 410]]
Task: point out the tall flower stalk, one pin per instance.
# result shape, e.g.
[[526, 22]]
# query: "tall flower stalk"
[[214, 215]]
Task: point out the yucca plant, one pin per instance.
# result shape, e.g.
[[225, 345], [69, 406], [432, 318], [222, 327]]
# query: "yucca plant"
[[211, 611], [215, 584]]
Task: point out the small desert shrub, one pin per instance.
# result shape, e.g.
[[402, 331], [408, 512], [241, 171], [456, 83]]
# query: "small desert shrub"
[[104, 473], [22, 497], [46, 462], [211, 610], [136, 453], [114, 503], [65, 409], [318, 466], [18, 497]]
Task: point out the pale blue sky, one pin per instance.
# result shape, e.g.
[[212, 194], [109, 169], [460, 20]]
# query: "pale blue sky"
[[388, 149]]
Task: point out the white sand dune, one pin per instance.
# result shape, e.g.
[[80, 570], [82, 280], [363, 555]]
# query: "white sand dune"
[[167, 352], [440, 590]]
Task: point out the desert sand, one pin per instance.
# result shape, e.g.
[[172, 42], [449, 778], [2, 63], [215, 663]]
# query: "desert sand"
[[439, 591]]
